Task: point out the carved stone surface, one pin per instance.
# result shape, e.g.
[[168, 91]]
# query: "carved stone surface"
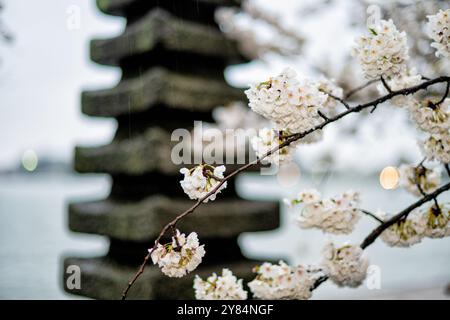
[[123, 7], [159, 28], [143, 153], [112, 277], [159, 86]]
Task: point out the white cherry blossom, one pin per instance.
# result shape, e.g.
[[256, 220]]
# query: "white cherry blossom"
[[384, 52], [181, 256], [405, 232], [437, 147], [430, 117], [345, 266], [224, 287], [293, 105], [201, 180], [281, 281], [336, 215], [436, 223]]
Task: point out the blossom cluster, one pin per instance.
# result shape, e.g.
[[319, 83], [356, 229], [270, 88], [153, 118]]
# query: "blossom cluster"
[[224, 287], [418, 179], [432, 118], [336, 215], [201, 180], [436, 221], [345, 266], [384, 52], [181, 256], [403, 233], [439, 31], [281, 281], [293, 105], [437, 147]]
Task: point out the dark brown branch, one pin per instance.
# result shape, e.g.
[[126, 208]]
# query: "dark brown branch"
[[287, 142], [383, 81], [318, 282], [136, 276], [370, 214], [447, 168], [322, 115]]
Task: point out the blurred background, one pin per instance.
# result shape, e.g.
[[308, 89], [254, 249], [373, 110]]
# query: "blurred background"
[[44, 65]]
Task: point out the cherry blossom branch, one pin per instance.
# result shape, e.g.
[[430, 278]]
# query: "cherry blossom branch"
[[386, 224], [377, 231], [289, 139]]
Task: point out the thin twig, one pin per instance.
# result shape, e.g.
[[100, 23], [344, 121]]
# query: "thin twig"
[[447, 88], [383, 81], [447, 168], [422, 192], [287, 142], [355, 90], [346, 105], [211, 175], [422, 162], [318, 282], [372, 215], [322, 115]]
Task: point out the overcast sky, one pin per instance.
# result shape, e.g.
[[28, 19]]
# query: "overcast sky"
[[42, 74]]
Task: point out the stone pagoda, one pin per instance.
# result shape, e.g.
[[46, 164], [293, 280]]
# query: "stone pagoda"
[[172, 55]]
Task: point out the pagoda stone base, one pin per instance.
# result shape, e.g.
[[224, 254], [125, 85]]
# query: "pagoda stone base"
[[102, 278]]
